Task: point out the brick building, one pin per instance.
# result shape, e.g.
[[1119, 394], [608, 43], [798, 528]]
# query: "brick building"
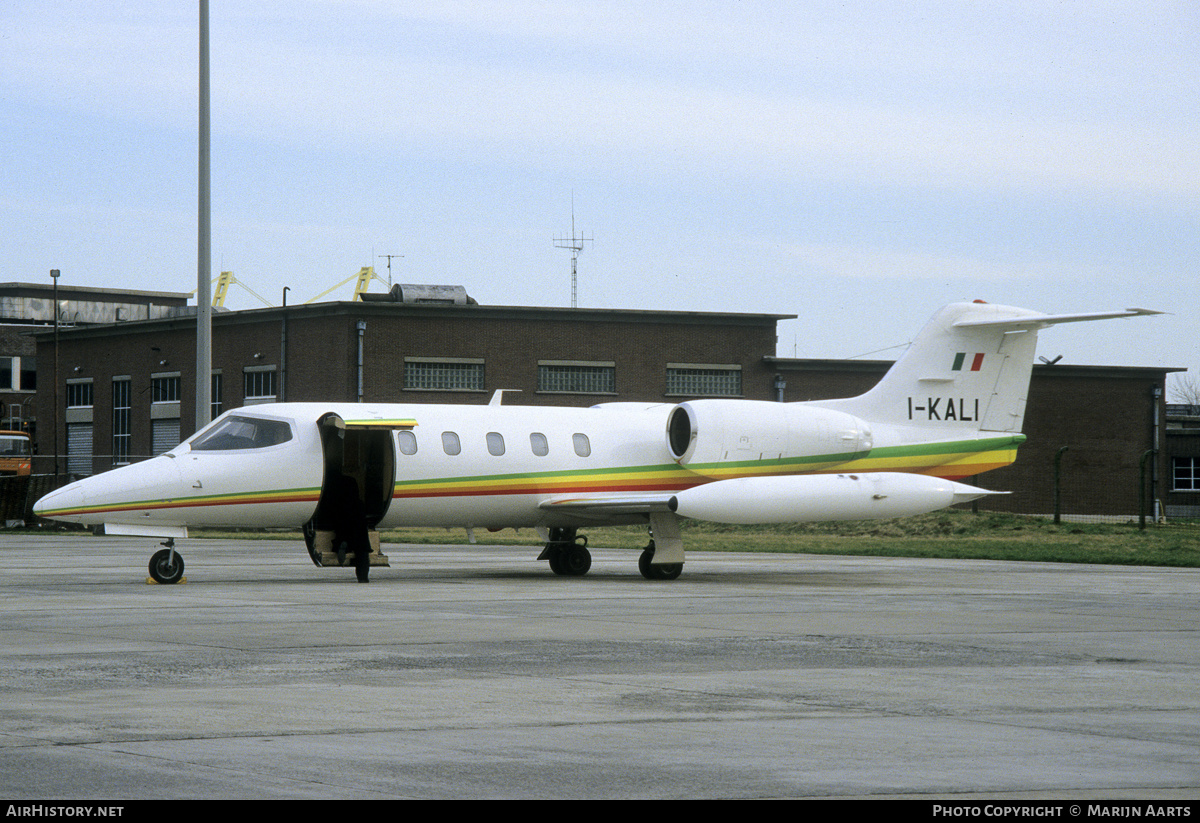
[[128, 387], [1182, 451], [29, 307]]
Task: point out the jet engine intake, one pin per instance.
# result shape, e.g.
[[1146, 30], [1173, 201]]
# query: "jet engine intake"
[[703, 435]]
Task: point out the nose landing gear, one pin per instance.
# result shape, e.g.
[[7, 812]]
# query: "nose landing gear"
[[166, 565]]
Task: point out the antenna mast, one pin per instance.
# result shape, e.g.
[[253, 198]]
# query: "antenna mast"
[[389, 259], [575, 244]]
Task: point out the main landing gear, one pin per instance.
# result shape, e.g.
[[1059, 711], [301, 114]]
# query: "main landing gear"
[[567, 553], [662, 571], [166, 565], [569, 557]]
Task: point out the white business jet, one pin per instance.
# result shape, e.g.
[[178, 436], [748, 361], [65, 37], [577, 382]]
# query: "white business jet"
[[951, 407]]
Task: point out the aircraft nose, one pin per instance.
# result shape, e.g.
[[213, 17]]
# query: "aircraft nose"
[[66, 503], [114, 496]]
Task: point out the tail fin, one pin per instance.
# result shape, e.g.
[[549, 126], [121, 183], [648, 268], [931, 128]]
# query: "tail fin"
[[968, 370]]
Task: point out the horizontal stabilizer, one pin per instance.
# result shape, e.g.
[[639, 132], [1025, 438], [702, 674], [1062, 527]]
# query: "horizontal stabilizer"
[[967, 371], [1044, 320]]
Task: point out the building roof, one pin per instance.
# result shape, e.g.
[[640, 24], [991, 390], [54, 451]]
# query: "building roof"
[[414, 310]]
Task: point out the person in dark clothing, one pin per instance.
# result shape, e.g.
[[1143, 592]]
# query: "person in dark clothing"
[[348, 519]]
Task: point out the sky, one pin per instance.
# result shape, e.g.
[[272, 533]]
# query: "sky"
[[856, 164]]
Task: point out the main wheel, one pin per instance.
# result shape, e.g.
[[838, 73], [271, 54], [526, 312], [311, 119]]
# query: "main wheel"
[[164, 569], [665, 571], [575, 560]]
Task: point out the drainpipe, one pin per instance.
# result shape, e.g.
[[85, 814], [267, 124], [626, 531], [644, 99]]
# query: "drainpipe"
[[54, 273], [362, 328], [283, 348]]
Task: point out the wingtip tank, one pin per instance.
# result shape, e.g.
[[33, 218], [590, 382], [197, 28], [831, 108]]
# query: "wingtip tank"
[[815, 498]]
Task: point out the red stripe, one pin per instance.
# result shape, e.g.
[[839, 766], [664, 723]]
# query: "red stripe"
[[977, 363]]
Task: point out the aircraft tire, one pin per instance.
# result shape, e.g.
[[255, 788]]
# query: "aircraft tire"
[[575, 560], [666, 571], [163, 570], [555, 559]]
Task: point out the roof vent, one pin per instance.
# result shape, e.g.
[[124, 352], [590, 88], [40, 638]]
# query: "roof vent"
[[418, 294]]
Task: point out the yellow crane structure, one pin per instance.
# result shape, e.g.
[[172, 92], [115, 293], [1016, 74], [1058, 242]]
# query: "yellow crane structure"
[[226, 279], [365, 275]]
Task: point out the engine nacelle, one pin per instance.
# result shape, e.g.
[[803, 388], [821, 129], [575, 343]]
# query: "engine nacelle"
[[703, 435]]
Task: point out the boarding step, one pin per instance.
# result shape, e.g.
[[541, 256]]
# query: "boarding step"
[[323, 548]]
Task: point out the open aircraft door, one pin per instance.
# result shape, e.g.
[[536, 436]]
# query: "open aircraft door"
[[361, 449]]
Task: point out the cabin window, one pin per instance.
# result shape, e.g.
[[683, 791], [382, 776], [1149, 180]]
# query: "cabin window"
[[495, 443], [236, 432], [539, 444], [583, 446], [704, 380], [450, 443], [407, 442]]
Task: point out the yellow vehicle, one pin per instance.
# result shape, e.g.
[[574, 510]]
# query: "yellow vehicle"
[[14, 453]]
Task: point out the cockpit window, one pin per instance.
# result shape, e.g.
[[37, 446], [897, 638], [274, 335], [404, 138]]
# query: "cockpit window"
[[243, 433]]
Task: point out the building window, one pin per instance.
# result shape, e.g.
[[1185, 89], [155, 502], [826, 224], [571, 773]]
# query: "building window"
[[79, 395], [120, 421], [78, 418], [576, 377], [443, 374], [697, 380], [259, 384], [27, 368], [164, 412], [164, 389], [1186, 473], [18, 373], [216, 406]]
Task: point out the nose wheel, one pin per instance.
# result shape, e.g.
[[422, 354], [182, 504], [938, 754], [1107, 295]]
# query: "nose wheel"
[[166, 565]]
